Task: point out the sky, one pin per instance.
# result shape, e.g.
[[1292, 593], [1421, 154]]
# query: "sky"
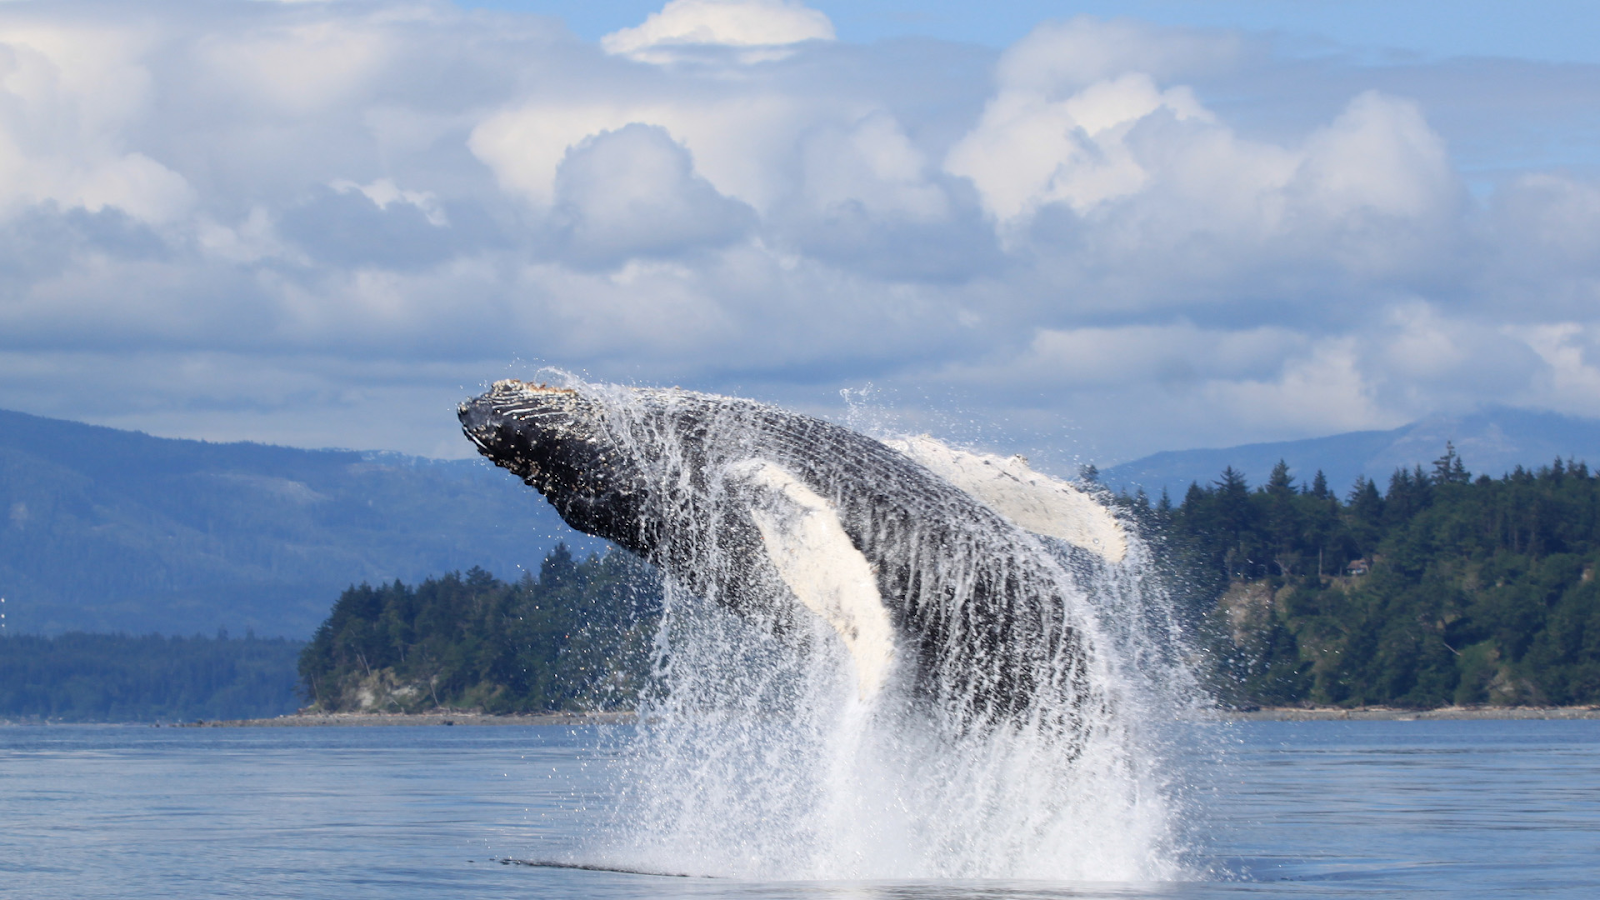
[[1083, 231]]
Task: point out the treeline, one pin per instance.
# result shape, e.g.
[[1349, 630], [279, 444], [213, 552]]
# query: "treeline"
[[1442, 589], [79, 677], [576, 637]]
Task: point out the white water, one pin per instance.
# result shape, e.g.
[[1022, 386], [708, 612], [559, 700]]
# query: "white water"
[[761, 755]]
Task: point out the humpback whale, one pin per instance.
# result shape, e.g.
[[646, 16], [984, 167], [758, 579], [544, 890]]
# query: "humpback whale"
[[933, 566]]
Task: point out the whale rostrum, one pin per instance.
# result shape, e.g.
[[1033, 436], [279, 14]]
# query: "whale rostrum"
[[928, 562]]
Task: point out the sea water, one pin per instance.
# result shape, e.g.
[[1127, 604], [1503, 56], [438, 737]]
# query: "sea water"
[[1461, 809]]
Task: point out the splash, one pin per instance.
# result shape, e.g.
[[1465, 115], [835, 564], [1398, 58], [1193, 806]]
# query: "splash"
[[763, 751]]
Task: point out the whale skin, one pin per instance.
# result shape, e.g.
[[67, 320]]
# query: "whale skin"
[[778, 515]]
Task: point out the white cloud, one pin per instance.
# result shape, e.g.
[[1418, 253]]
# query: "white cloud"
[[1179, 355], [67, 94], [1174, 237], [300, 64], [1571, 352], [1545, 250], [384, 192], [874, 164], [1029, 151], [1125, 138], [738, 138], [764, 24], [1378, 156], [633, 193], [1322, 391]]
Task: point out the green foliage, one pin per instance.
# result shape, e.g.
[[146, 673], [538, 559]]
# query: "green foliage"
[[1442, 589], [577, 637], [79, 677]]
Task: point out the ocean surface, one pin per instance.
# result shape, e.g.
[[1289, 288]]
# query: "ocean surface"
[[1294, 809]]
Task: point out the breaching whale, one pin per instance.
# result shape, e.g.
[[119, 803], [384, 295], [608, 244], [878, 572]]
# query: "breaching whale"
[[928, 562]]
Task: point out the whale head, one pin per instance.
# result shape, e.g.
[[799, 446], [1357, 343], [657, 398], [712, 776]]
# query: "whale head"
[[555, 440]]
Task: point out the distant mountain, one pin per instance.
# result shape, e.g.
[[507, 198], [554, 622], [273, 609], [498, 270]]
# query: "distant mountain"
[[108, 530], [1492, 441]]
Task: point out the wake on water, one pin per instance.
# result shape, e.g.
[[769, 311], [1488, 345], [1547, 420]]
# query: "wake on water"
[[759, 755]]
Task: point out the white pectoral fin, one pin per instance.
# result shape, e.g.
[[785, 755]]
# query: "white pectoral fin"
[[1035, 502], [816, 559]]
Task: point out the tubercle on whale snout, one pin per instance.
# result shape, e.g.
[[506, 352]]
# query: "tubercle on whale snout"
[[511, 406], [506, 385], [497, 421], [546, 436]]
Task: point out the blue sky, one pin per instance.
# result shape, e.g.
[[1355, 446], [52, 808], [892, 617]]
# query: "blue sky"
[[1550, 30], [1085, 232]]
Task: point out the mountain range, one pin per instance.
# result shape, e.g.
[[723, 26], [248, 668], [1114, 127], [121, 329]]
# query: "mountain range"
[[1491, 441], [108, 530]]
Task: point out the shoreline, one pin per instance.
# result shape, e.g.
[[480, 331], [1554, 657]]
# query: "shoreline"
[[1392, 714], [322, 720], [479, 719], [1264, 714]]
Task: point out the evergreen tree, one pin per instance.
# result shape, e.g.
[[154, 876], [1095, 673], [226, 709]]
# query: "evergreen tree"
[[1448, 469], [575, 637], [1444, 589], [80, 677]]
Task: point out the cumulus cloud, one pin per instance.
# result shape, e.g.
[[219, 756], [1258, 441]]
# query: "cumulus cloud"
[[633, 193], [742, 140], [1123, 170], [1570, 379], [68, 95], [345, 224], [1169, 237]]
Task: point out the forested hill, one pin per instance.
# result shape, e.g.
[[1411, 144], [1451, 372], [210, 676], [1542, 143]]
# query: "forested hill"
[[108, 530], [78, 677], [1442, 588], [577, 637]]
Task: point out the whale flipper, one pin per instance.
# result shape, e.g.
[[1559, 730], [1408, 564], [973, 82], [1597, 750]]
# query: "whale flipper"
[[809, 547], [1033, 501]]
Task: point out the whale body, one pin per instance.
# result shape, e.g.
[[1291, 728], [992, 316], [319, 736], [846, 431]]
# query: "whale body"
[[930, 564]]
